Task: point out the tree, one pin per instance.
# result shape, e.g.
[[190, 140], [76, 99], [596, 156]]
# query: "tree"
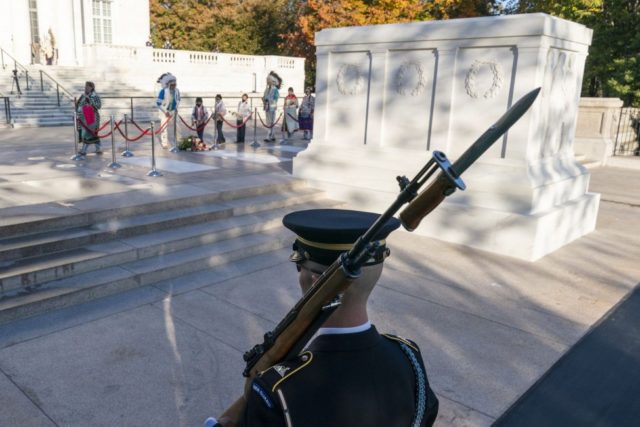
[[234, 26], [451, 9], [613, 64], [184, 22], [573, 10], [315, 15], [287, 27]]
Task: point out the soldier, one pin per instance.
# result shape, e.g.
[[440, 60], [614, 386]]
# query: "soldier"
[[349, 374]]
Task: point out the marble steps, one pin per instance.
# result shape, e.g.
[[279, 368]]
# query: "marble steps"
[[40, 100], [18, 224], [22, 247], [36, 108], [59, 279], [35, 122], [125, 276], [37, 270]]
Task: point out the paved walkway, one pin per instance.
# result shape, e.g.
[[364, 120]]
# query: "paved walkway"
[[171, 354]]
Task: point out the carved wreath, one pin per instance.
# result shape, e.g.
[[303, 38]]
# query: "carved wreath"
[[496, 84], [349, 79], [402, 78]]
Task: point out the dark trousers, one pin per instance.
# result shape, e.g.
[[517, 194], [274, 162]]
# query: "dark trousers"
[[201, 134], [220, 134], [241, 130]]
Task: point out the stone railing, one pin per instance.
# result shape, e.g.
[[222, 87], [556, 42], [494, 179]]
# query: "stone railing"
[[596, 128], [196, 71]]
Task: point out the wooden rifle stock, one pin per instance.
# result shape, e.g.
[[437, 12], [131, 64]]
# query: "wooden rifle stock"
[[292, 329], [426, 201], [232, 416], [318, 296]]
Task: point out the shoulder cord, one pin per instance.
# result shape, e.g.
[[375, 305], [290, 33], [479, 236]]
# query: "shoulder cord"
[[421, 398], [285, 408]]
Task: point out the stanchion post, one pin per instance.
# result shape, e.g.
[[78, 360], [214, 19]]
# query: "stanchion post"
[[113, 164], [126, 152], [174, 149], [216, 146], [153, 171], [77, 156], [283, 132], [255, 143]]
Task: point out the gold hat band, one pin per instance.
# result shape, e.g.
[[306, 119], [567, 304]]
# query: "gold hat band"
[[332, 246]]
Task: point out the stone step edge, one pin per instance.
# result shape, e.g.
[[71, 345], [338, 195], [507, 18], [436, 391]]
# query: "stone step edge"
[[72, 263], [22, 307], [46, 243], [129, 254], [86, 218], [23, 276]]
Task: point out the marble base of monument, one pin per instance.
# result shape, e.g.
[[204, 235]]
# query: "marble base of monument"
[[509, 207]]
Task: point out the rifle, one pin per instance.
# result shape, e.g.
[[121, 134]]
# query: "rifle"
[[298, 326]]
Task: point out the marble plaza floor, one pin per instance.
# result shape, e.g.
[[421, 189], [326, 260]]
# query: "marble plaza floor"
[[170, 354]]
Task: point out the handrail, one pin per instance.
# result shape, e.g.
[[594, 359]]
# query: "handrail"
[[53, 81], [4, 53], [16, 64], [7, 108], [58, 86]]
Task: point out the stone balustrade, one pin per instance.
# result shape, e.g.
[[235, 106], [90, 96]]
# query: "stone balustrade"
[[203, 72], [596, 128]]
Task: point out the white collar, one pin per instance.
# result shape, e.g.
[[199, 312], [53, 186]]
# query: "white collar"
[[352, 330]]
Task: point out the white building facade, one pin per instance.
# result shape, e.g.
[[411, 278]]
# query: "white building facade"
[[109, 37], [75, 24]]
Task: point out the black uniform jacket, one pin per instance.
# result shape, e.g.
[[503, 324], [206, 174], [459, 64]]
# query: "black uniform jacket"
[[361, 379]]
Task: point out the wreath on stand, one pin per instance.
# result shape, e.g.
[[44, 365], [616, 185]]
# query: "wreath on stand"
[[186, 144], [192, 143]]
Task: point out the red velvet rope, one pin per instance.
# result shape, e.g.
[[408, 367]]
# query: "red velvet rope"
[[103, 126], [91, 131], [199, 128], [160, 129], [238, 126], [144, 132], [274, 123], [163, 126], [95, 133], [136, 125]]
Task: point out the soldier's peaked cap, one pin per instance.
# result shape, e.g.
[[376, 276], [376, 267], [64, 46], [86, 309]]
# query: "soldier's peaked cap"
[[323, 234]]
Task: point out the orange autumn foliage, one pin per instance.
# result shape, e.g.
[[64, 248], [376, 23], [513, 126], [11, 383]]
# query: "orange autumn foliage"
[[316, 15]]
